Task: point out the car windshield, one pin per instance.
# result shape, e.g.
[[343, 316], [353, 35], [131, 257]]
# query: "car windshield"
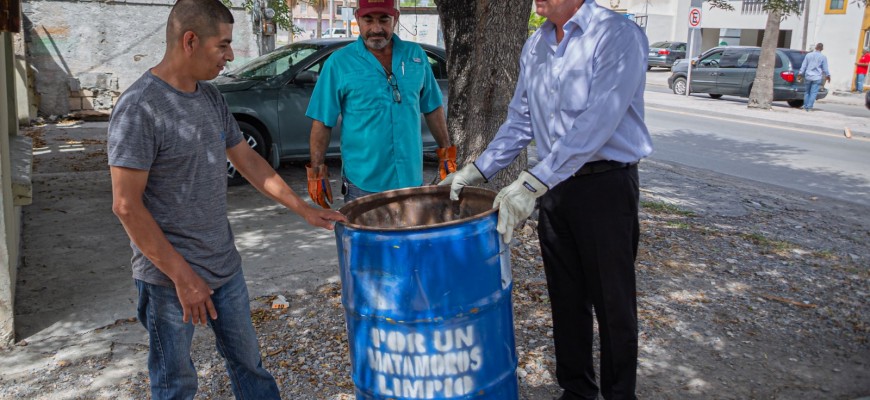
[[660, 44], [274, 63], [796, 57]]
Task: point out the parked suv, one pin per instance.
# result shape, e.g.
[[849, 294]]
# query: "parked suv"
[[731, 70], [664, 54]]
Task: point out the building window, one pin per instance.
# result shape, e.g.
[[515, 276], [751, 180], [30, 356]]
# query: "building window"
[[836, 7]]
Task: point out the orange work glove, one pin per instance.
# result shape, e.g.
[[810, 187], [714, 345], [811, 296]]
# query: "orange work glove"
[[318, 185], [446, 161]]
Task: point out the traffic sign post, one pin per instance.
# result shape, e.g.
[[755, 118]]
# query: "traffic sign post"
[[694, 23]]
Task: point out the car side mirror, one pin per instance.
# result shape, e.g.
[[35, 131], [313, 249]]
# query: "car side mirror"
[[306, 78]]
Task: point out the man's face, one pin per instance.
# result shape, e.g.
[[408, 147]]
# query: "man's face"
[[377, 29], [557, 9], [211, 54]]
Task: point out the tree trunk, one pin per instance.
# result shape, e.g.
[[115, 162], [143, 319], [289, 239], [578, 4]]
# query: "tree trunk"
[[483, 39], [761, 95], [319, 8]]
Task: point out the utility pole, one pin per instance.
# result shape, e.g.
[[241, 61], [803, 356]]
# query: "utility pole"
[[331, 15], [806, 24]]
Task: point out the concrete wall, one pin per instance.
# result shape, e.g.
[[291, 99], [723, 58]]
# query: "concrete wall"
[[10, 214], [839, 33], [87, 52]]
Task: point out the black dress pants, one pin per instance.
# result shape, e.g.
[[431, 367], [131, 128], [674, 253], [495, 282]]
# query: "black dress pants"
[[589, 230]]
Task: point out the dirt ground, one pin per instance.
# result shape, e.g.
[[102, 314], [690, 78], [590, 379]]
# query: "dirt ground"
[[744, 292]]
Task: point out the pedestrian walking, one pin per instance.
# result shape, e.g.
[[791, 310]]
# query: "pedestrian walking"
[[169, 138], [579, 96], [814, 70], [861, 70], [379, 85]]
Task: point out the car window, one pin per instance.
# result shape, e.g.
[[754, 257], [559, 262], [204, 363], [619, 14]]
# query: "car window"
[[710, 60], [749, 60], [274, 63], [731, 58], [439, 67], [659, 44], [796, 58], [778, 61], [681, 47]]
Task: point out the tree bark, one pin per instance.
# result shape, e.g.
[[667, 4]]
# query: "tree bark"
[[483, 39], [761, 95]]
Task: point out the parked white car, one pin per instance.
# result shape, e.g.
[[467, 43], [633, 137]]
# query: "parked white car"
[[335, 33]]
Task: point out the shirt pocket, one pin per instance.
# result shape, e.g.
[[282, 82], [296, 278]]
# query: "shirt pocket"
[[366, 92], [574, 89], [411, 79]]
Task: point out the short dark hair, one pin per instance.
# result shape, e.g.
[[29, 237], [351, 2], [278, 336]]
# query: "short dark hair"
[[199, 16], [820, 46]]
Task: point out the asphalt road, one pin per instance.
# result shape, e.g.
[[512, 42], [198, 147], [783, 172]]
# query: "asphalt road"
[[813, 160]]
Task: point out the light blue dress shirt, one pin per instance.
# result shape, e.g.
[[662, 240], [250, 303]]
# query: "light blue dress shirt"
[[381, 144], [815, 66], [581, 99]]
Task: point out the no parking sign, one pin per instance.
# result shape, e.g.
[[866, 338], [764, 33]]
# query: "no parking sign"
[[694, 17]]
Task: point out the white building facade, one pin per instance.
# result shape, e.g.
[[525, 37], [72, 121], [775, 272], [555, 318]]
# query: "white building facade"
[[842, 25]]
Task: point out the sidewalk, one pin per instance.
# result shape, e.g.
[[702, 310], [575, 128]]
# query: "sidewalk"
[[76, 302]]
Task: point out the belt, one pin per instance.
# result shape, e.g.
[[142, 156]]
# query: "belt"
[[597, 167]]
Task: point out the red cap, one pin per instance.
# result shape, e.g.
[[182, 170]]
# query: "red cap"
[[367, 7]]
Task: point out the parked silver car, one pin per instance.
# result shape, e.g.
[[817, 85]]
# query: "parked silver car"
[[664, 54], [731, 71]]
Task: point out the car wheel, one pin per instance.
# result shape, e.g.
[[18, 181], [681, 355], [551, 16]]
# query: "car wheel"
[[255, 140], [715, 96], [795, 103], [680, 86]]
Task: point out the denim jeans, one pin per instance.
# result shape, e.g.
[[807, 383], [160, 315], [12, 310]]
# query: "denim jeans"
[[170, 367], [812, 92], [859, 82], [350, 191]]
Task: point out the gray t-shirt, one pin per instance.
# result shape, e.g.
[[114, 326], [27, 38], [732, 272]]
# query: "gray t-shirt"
[[181, 140]]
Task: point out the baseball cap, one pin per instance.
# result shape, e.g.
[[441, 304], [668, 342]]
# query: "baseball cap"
[[367, 7]]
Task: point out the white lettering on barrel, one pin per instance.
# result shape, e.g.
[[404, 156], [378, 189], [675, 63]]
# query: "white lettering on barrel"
[[424, 365]]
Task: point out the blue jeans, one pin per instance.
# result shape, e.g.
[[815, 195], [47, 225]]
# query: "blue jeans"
[[350, 191], [812, 92], [170, 367], [859, 82]]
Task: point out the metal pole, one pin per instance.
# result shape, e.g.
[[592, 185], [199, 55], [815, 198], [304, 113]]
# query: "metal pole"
[[806, 24], [691, 51], [331, 16]]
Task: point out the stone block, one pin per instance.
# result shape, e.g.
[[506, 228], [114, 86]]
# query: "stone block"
[[87, 93], [75, 103], [21, 154], [75, 93], [74, 84], [87, 103]]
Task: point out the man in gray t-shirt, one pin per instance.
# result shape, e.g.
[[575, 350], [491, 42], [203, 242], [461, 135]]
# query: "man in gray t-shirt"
[[169, 139]]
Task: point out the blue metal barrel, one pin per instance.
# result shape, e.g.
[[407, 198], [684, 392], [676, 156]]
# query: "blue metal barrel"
[[426, 287]]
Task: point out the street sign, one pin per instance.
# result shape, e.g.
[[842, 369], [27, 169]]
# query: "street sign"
[[694, 17]]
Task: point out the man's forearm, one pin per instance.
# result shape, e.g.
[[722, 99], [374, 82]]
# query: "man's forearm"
[[263, 177], [149, 238], [437, 124], [319, 142]]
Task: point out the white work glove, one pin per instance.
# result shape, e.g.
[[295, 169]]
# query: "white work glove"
[[468, 175], [516, 202]]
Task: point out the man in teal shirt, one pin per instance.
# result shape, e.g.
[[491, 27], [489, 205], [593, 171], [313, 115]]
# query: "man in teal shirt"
[[379, 85]]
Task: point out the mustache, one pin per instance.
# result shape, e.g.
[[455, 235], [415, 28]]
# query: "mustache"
[[374, 35]]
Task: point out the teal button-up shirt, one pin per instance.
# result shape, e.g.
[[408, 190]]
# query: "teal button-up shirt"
[[381, 144]]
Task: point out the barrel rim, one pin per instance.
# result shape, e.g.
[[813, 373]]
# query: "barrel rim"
[[391, 195]]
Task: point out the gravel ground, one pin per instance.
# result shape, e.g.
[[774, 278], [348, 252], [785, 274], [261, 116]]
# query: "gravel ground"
[[766, 298], [744, 292]]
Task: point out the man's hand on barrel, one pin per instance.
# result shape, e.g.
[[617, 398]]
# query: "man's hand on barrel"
[[319, 188], [516, 202], [468, 175]]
